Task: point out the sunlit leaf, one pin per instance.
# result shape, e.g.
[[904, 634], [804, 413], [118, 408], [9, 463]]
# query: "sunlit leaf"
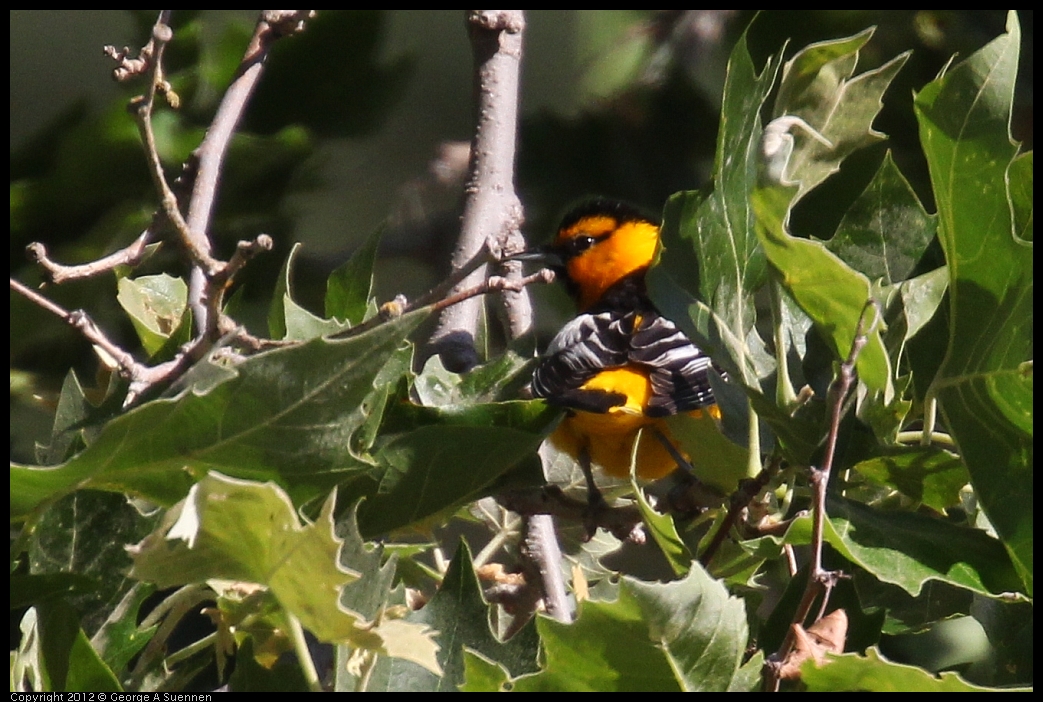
[[874, 673], [156, 305], [925, 474], [460, 616], [984, 387], [909, 549], [239, 530], [684, 635]]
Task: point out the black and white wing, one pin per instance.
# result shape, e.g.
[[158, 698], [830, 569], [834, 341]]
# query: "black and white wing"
[[584, 347], [680, 371]]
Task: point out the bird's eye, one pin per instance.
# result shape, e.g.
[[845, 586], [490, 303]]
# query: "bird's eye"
[[582, 243]]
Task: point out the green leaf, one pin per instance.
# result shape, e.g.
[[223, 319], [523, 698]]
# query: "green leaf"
[[817, 87], [371, 595], [984, 387], [1021, 202], [240, 530], [461, 617], [714, 458], [500, 378], [908, 549], [84, 533], [886, 230], [685, 635], [289, 321], [710, 242], [930, 476], [157, 306], [921, 297], [68, 432], [437, 459], [874, 673], [55, 655], [350, 286], [828, 291], [286, 415], [482, 674], [664, 532], [819, 92], [119, 638]]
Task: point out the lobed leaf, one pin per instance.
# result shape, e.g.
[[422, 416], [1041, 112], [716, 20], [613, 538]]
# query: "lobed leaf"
[[286, 415], [983, 191], [685, 635]]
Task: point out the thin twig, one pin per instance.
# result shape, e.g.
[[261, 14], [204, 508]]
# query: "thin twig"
[[495, 284], [748, 489], [143, 107], [821, 581], [79, 321], [58, 273], [397, 307], [622, 522], [140, 376]]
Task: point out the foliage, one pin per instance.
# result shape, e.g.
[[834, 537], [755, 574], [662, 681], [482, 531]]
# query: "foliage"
[[318, 486]]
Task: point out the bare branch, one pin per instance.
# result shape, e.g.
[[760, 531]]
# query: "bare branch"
[[492, 206], [140, 376], [209, 156], [128, 67], [821, 581], [494, 210], [541, 550], [748, 489], [399, 306], [495, 284], [57, 273], [622, 522], [143, 106]]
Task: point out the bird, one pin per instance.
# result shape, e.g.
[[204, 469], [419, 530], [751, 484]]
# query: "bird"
[[619, 367]]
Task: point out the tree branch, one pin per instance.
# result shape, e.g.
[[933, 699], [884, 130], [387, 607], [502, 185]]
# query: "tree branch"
[[210, 277], [821, 581], [492, 208], [58, 273], [209, 156], [141, 376], [621, 522]]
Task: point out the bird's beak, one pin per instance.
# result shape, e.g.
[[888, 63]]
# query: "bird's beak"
[[539, 254]]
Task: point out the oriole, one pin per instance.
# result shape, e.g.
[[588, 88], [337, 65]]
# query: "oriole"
[[620, 366]]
